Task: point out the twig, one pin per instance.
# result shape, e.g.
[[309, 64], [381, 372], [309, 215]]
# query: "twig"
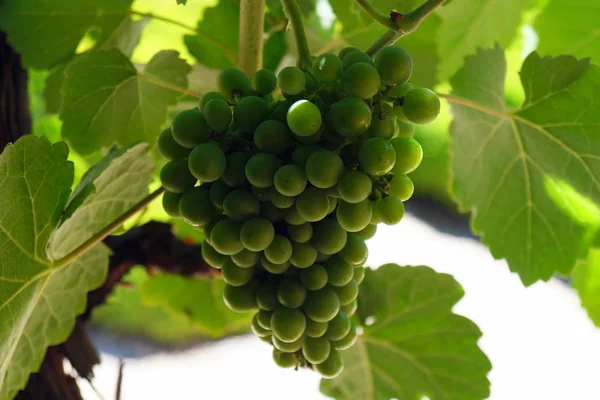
[[252, 20], [120, 379], [294, 15]]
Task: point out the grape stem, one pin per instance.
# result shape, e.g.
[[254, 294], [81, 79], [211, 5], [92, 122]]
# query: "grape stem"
[[252, 21], [294, 15]]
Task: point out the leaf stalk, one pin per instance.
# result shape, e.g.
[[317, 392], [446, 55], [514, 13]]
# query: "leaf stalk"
[[294, 15]]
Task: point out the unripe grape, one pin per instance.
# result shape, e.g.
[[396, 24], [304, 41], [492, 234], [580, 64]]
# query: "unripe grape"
[[288, 324], [207, 162], [249, 113], [359, 274], [376, 156], [279, 113], [240, 205], [347, 293], [404, 129], [355, 252], [314, 277], [279, 200], [265, 81], [169, 148], [350, 309], [291, 293], [354, 186], [394, 65], [272, 137], [245, 258], [176, 177], [211, 256], [170, 202], [189, 128], [284, 360], [195, 206], [421, 106], [257, 234], [401, 187], [234, 275], [232, 82], [258, 329], [312, 204], [241, 298], [391, 210], [409, 154], [339, 272], [274, 268], [400, 90], [324, 169], [291, 80], [361, 80], [355, 57], [339, 327], [368, 232], [315, 329], [327, 68], [351, 116], [208, 97], [384, 123], [329, 237], [321, 305], [354, 217], [217, 192], [279, 251], [207, 229], [235, 174], [301, 153], [303, 255], [262, 194], [225, 237], [300, 233], [260, 169], [304, 118], [348, 341], [316, 350], [266, 298], [347, 50], [288, 347], [292, 217], [332, 366], [263, 317], [218, 114]]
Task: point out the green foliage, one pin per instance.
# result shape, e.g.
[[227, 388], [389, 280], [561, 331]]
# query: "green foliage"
[[586, 279]]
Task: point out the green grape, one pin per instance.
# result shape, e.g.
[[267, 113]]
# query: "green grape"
[[314, 277], [272, 213], [404, 129], [266, 298], [240, 205], [312, 204], [354, 186], [368, 232], [261, 168], [303, 255], [355, 252], [232, 82], [300, 233], [279, 113], [394, 65], [257, 329], [321, 305], [267, 339], [333, 366], [207, 162], [311, 82], [354, 217], [339, 327], [333, 191], [241, 298], [391, 210], [234, 275], [329, 237], [327, 68], [272, 137], [265, 81], [208, 97], [169, 148], [324, 169], [421, 106], [289, 348], [170, 203], [359, 274], [409, 155], [304, 118], [195, 206], [332, 205], [291, 80], [225, 237], [189, 128], [348, 341], [315, 329], [350, 309], [234, 174], [293, 218], [355, 57], [245, 258], [347, 50], [279, 251], [249, 113], [176, 177], [257, 234], [401, 187], [218, 114], [290, 180], [376, 156], [263, 317], [375, 218], [351, 116], [360, 80], [347, 293], [207, 229], [211, 256], [291, 293], [399, 112], [217, 192], [400, 90], [284, 360], [316, 350], [339, 272], [288, 324], [262, 194], [384, 123], [301, 153], [274, 268], [279, 200]]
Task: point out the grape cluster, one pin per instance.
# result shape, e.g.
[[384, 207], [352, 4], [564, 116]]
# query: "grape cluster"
[[288, 191]]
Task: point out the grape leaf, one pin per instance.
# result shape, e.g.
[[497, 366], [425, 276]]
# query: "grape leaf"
[[47, 32], [512, 167], [570, 27], [586, 280], [416, 346], [200, 299], [106, 100], [274, 50], [127, 36]]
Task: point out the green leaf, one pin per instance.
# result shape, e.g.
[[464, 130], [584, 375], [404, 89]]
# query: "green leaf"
[[38, 299], [518, 171], [200, 299], [106, 100], [275, 49], [412, 344], [184, 2], [586, 280], [469, 24], [570, 27], [127, 36], [47, 32]]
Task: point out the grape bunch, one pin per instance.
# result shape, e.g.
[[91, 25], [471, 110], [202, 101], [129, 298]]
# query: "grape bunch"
[[288, 191]]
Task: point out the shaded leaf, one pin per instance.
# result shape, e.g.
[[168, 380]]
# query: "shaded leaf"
[[275, 49], [127, 36]]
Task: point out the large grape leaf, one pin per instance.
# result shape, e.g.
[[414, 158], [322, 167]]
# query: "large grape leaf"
[[570, 27], [412, 344], [514, 168], [106, 100], [47, 32], [586, 279]]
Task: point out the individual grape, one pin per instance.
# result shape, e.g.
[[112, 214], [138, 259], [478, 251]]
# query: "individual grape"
[[234, 275], [384, 123], [375, 218], [311, 82], [350, 309], [321, 305], [304, 118], [279, 251], [404, 129], [279, 112], [232, 82], [401, 187], [176, 177], [314, 277], [400, 90], [376, 156], [368, 232], [272, 137], [288, 324], [421, 106], [272, 213], [399, 112], [291, 293], [290, 180], [195, 206], [303, 255], [339, 272], [347, 341], [264, 81], [208, 96], [354, 186], [207, 229], [315, 329], [274, 268], [300, 233], [170, 202], [234, 174], [355, 57], [347, 50], [301, 153], [293, 218], [279, 200], [266, 298], [263, 317], [245, 258], [312, 204], [189, 128], [355, 252], [324, 169], [316, 350], [218, 114], [257, 329], [263, 194], [354, 217], [328, 236], [207, 162], [339, 327], [360, 80], [284, 360], [240, 205], [347, 293], [409, 155], [391, 210], [291, 80], [332, 205], [359, 274], [241, 298], [225, 237], [211, 256], [331, 367], [217, 192], [290, 347], [249, 113], [257, 234], [327, 68], [169, 148], [333, 192], [261, 168], [351, 116], [394, 65]]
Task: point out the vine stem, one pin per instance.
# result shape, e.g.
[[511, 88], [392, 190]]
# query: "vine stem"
[[294, 15], [252, 21], [377, 15], [110, 228]]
